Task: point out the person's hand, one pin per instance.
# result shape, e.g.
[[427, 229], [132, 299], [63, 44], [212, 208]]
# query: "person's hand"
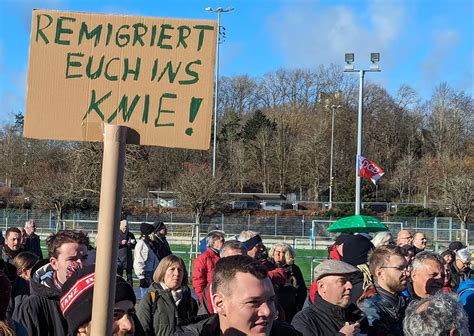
[[350, 329], [123, 242], [143, 283]]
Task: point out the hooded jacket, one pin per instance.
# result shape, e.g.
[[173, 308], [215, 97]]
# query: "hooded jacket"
[[324, 319], [40, 312]]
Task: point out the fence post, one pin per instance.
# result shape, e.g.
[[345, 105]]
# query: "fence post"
[[302, 227], [222, 222], [248, 222], [450, 229], [276, 220], [435, 229], [171, 218]]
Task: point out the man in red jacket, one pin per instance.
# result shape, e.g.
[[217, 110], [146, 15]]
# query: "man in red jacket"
[[204, 264]]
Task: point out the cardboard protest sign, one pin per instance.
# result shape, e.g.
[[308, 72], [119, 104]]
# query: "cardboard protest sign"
[[154, 75]]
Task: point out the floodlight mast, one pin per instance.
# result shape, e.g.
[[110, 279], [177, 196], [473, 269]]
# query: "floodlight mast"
[[218, 10], [349, 67]]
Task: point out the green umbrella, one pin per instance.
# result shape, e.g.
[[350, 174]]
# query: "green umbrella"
[[357, 223]]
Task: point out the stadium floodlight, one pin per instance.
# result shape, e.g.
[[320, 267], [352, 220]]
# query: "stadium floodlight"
[[375, 59], [349, 61], [374, 67], [218, 10]]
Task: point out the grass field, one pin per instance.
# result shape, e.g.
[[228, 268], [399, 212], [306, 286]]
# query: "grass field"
[[303, 257]]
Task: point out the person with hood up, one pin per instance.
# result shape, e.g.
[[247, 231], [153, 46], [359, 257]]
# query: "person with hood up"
[[355, 252], [160, 243], [146, 261]]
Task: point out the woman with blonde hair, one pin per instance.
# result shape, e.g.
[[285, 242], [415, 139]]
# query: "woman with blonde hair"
[[168, 302], [292, 296], [382, 238]]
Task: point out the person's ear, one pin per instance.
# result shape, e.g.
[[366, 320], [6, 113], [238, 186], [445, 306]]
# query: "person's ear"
[[321, 285], [217, 301], [378, 273], [54, 263]]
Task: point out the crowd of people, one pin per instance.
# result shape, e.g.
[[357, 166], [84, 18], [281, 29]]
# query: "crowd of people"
[[380, 285]]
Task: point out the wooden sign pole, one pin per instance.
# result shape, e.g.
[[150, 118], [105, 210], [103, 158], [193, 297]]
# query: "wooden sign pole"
[[107, 240]]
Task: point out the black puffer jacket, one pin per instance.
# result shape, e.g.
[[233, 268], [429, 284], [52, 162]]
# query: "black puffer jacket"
[[40, 312], [210, 327], [324, 319], [385, 312]]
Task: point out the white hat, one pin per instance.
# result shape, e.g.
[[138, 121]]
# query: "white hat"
[[464, 255]]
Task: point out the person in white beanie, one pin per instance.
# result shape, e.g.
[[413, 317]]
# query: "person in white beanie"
[[460, 268]]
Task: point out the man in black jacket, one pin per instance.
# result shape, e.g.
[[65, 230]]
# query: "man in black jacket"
[[127, 242], [385, 305], [160, 244], [40, 312], [332, 313], [33, 243]]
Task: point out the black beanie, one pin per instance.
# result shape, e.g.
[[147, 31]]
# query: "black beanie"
[[158, 226], [76, 297], [355, 250], [146, 229]]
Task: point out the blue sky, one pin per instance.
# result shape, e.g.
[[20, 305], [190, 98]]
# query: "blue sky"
[[422, 42]]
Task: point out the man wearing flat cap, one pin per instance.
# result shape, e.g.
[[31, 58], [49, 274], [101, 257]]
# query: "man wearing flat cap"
[[331, 313]]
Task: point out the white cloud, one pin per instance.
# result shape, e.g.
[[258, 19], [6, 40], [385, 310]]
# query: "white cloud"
[[438, 59], [310, 35]]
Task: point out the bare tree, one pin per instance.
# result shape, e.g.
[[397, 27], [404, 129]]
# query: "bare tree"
[[198, 190]]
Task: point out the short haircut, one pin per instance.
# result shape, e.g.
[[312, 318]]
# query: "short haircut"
[[246, 235], [227, 268], [12, 230], [289, 252], [233, 245], [422, 257], [214, 236], [29, 223], [165, 263], [25, 261], [56, 240], [418, 233], [435, 315], [381, 256]]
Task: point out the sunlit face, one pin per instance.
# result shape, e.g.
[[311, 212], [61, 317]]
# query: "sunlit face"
[[124, 227], [428, 278], [404, 238], [462, 265], [30, 228], [71, 257], [13, 241], [419, 240], [217, 244], [279, 255], [246, 306], [394, 275], [335, 289], [256, 251], [174, 276]]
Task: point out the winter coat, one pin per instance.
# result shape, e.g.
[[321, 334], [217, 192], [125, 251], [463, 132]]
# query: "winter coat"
[[211, 327], [384, 311], [203, 267], [161, 247], [324, 319], [124, 256], [145, 258], [40, 312], [159, 315], [33, 245], [457, 276]]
